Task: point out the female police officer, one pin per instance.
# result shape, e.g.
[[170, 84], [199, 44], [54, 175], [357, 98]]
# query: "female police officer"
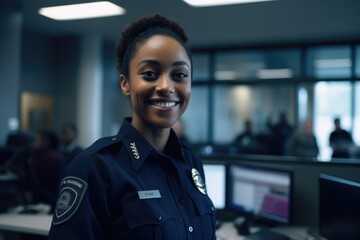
[[143, 183]]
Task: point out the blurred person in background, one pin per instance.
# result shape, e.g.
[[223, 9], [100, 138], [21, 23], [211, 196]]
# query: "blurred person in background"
[[280, 133], [247, 142], [47, 166], [340, 141], [304, 143], [69, 146]]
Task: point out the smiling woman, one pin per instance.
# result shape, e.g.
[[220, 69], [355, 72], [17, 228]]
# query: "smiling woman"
[[143, 183]]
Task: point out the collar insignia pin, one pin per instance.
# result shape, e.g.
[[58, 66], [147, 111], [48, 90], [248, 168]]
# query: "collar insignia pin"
[[134, 150], [198, 181]]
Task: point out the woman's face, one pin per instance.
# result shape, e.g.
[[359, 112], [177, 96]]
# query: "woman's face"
[[160, 82]]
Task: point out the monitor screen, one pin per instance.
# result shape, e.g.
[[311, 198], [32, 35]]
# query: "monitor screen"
[[339, 208], [261, 193], [215, 180]]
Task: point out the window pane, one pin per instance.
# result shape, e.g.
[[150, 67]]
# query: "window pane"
[[357, 61], [356, 133], [250, 65], [200, 67], [234, 105], [195, 118], [329, 62], [332, 99]]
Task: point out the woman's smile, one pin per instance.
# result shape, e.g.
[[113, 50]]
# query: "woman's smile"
[[164, 104]]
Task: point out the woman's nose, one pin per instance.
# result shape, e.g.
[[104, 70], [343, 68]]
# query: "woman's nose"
[[165, 85]]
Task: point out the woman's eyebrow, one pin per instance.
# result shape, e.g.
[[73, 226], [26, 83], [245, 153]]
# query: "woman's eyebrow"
[[157, 63], [150, 62], [180, 63]]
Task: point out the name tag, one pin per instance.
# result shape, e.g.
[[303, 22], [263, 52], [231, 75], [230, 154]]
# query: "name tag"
[[149, 194]]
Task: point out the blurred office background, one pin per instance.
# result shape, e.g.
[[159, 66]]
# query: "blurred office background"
[[252, 62]]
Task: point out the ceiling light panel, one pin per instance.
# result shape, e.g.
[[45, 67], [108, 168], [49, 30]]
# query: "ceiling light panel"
[[333, 63], [275, 73], [82, 11], [211, 3]]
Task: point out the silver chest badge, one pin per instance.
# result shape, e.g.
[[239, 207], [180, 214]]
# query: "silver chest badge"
[[198, 181]]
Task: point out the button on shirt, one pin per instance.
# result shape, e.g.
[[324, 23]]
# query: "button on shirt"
[[122, 188]]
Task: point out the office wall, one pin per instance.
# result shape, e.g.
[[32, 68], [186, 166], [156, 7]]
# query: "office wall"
[[50, 65], [10, 33], [115, 105], [65, 54], [36, 73]]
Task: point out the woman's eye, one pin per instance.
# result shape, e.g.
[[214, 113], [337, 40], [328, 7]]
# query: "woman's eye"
[[180, 75], [149, 75]]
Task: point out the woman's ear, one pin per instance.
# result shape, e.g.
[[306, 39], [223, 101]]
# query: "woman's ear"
[[124, 83]]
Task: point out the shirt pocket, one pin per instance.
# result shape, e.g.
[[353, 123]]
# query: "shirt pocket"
[[206, 211], [151, 219]]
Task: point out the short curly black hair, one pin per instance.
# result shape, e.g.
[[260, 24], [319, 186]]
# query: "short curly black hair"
[[139, 31]]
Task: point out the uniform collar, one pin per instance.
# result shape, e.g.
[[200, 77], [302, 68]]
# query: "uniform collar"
[[139, 149]]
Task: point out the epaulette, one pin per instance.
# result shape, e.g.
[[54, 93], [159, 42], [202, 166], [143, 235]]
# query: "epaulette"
[[101, 144]]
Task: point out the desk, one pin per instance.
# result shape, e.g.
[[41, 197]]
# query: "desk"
[[227, 231], [8, 177], [8, 190], [38, 224]]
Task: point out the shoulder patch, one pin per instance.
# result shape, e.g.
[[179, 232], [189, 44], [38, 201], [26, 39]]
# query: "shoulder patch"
[[71, 193]]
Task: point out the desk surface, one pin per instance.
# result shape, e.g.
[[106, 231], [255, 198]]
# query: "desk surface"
[[8, 177], [38, 224], [227, 231]]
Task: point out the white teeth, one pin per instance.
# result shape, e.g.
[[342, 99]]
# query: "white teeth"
[[164, 104]]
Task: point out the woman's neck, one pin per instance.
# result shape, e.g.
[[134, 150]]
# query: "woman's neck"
[[157, 137]]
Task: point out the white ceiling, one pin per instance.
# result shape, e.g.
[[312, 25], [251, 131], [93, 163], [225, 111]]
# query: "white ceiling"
[[273, 22]]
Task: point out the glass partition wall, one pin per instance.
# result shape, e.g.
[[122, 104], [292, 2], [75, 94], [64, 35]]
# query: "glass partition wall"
[[237, 89]]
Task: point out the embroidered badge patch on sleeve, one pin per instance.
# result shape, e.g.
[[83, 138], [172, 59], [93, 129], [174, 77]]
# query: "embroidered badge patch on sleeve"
[[72, 190]]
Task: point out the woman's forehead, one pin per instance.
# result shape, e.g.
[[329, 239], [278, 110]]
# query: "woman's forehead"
[[161, 47]]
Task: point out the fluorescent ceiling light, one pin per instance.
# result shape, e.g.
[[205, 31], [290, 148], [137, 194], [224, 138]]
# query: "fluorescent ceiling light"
[[82, 10], [225, 75], [210, 3], [332, 63], [275, 73]]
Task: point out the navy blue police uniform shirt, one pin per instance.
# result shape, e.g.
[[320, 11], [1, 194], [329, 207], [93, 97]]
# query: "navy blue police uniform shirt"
[[122, 188]]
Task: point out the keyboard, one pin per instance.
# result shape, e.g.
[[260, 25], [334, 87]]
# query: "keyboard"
[[314, 234], [265, 234]]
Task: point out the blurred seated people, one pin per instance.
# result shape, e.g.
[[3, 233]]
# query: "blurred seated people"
[[247, 141], [304, 143], [47, 164], [69, 146], [340, 141], [19, 140], [280, 134], [16, 143], [5, 156], [18, 149]]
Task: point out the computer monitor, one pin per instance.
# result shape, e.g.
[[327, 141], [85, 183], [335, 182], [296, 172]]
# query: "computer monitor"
[[261, 194], [215, 180], [339, 208]]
